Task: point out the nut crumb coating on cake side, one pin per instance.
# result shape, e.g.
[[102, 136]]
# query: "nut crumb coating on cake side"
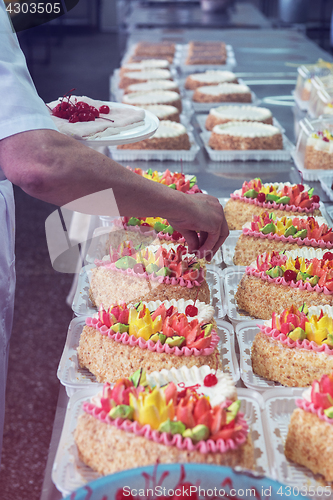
[[310, 443], [112, 287], [293, 367], [238, 212], [97, 352], [181, 142], [251, 290], [231, 142], [107, 449], [249, 247], [212, 120], [316, 159]]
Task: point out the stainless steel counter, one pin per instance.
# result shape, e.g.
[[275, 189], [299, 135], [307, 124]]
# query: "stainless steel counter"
[[267, 60]]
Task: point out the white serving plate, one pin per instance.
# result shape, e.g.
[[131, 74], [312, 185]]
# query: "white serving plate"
[[156, 154], [126, 136], [231, 277], [278, 409], [182, 53], [69, 473], [249, 154], [201, 119], [82, 305], [73, 377]]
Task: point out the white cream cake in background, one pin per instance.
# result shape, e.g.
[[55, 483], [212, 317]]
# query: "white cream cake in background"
[[169, 135], [211, 77], [146, 64], [143, 76], [152, 85], [224, 92], [247, 135], [107, 124], [163, 111], [319, 151], [153, 97], [224, 114]]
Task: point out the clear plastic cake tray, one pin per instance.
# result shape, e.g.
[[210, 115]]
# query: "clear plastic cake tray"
[[305, 173], [249, 154], [69, 473], [326, 181], [228, 247], [156, 154], [204, 107], [279, 407], [73, 377], [201, 119], [82, 305], [182, 54], [246, 331], [231, 277]]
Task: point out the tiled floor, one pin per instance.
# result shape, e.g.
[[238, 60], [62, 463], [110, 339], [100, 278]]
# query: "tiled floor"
[[41, 314]]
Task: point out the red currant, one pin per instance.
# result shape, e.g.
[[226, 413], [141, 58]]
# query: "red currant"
[[82, 105], [315, 198], [328, 256], [94, 111], [261, 197], [74, 118], [139, 268], [169, 311], [191, 311], [210, 380], [104, 109], [300, 187], [176, 235], [290, 275]]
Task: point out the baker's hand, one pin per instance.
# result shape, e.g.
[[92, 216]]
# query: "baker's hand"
[[202, 223]]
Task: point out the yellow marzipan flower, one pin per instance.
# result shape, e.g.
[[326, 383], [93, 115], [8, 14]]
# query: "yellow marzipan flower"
[[151, 408]]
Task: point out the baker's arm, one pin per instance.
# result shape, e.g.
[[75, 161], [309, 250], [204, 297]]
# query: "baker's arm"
[[57, 169]]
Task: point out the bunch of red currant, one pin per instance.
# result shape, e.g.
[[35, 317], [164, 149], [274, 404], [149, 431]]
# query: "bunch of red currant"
[[79, 111]]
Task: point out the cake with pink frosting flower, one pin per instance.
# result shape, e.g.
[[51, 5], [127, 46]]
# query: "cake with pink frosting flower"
[[141, 422], [161, 272], [292, 200], [300, 341], [294, 277], [310, 432], [267, 233], [153, 336]]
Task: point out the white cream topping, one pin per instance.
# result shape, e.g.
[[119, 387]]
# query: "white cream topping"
[[328, 110], [251, 113], [156, 74], [223, 390], [161, 110], [168, 128], [214, 76], [152, 85], [153, 97], [320, 145], [307, 253], [224, 88], [205, 312], [148, 63], [316, 310], [246, 129]]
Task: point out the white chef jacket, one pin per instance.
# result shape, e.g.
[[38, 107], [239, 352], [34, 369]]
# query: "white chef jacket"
[[21, 109]]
